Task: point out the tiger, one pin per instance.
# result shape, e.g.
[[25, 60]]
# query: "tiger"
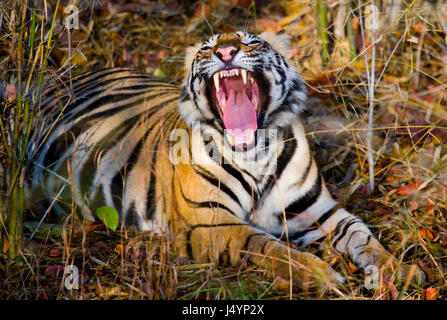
[[221, 163]]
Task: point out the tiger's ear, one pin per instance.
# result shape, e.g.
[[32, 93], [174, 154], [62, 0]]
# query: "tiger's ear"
[[279, 42], [190, 53]]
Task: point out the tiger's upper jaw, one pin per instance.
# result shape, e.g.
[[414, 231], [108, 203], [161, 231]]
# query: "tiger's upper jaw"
[[237, 96]]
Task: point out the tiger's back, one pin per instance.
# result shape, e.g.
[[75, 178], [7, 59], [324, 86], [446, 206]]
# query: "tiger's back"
[[102, 131]]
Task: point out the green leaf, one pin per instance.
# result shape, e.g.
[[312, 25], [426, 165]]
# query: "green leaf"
[[109, 217], [159, 73]]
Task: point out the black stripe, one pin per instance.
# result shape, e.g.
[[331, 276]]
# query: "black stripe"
[[59, 147], [115, 99], [98, 200], [287, 153], [248, 239], [233, 172], [326, 215], [305, 174], [304, 202], [349, 239], [236, 174], [89, 168], [367, 242], [78, 78], [132, 217], [338, 226], [345, 229], [81, 95], [151, 192], [217, 225], [323, 218], [87, 80], [54, 151], [205, 204], [117, 191], [215, 182], [316, 243]]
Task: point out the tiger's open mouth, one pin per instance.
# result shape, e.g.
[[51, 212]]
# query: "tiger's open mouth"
[[237, 96]]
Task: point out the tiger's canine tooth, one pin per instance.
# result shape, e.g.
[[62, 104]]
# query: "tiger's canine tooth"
[[216, 81], [244, 75]]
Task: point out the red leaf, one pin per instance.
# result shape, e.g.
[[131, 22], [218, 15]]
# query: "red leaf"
[[202, 10], [420, 27], [55, 252], [11, 90], [100, 246], [406, 190], [56, 271], [426, 233], [269, 25], [431, 294]]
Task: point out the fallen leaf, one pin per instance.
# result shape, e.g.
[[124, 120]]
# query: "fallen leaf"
[[431, 294], [426, 233], [380, 212], [394, 294], [11, 90], [100, 246], [55, 252], [126, 56], [118, 249], [161, 55], [352, 267], [202, 10], [420, 27], [414, 205], [107, 293], [5, 245], [406, 190], [55, 272], [268, 25], [443, 240]]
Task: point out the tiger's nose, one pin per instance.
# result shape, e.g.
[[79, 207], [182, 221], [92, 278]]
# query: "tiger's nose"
[[226, 53]]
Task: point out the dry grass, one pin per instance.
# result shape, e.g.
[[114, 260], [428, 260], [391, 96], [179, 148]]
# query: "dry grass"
[[407, 211]]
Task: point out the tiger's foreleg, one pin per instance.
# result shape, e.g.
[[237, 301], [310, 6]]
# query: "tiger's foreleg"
[[206, 228], [349, 235], [214, 234]]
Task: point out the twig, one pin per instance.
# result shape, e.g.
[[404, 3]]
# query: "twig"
[[371, 90], [46, 212]]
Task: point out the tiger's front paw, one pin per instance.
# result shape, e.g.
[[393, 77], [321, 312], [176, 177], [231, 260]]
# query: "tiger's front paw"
[[307, 271], [407, 272], [376, 258]]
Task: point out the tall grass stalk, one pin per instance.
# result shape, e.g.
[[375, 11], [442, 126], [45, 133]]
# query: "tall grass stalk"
[[12, 206], [322, 29], [371, 86]]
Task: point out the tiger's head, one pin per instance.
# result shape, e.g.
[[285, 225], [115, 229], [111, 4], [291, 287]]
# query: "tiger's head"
[[240, 83]]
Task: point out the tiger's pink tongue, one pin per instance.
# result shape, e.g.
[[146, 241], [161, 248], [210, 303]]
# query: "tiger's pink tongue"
[[239, 115]]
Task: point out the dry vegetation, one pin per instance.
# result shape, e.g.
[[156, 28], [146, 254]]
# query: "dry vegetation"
[[407, 210]]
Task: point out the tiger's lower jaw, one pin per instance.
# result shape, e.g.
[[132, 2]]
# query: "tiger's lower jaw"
[[241, 143]]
